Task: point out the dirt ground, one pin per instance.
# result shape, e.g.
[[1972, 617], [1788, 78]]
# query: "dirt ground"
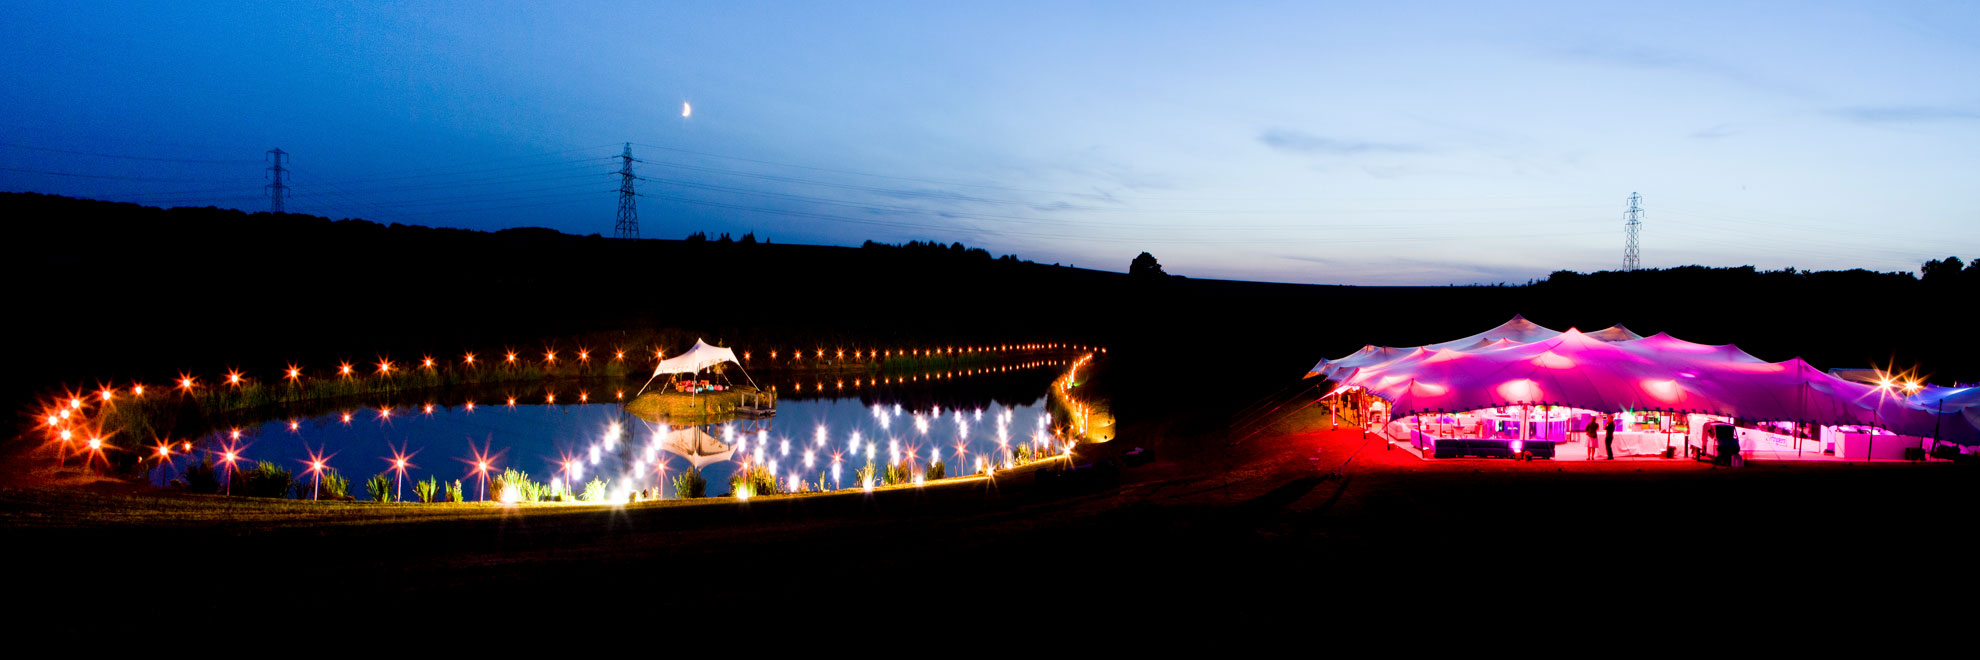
[[1297, 521]]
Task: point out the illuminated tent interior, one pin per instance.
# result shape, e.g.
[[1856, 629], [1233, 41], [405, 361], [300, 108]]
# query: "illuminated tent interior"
[[693, 360], [1524, 387], [701, 356]]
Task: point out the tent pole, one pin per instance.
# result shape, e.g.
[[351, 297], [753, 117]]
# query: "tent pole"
[[649, 381], [1804, 417], [1937, 421]]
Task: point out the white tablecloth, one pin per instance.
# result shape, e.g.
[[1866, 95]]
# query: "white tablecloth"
[[1634, 443]]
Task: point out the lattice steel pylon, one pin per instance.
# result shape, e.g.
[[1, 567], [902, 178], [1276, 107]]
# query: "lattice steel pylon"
[[628, 226], [277, 190], [1632, 223]]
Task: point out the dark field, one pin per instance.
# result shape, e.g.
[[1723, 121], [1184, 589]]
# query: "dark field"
[[1256, 530]]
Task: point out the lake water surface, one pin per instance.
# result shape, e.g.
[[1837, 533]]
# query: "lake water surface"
[[962, 418]]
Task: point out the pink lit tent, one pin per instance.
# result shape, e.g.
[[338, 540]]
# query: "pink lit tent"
[[1522, 363]]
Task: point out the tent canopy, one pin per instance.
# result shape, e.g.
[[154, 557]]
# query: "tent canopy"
[[1520, 363], [702, 356]]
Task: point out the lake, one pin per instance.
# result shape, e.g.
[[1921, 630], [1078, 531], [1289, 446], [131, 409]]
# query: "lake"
[[546, 433]]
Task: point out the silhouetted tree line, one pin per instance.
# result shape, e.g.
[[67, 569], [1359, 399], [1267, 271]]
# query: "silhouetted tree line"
[[1949, 270], [120, 291], [937, 250]]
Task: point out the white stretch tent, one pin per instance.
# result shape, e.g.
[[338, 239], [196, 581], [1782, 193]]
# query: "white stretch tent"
[[693, 360], [702, 356]]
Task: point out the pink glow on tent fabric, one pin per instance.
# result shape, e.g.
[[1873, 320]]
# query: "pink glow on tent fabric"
[[1614, 333], [1665, 391], [1518, 329], [1440, 356], [1519, 391], [1521, 363], [1552, 360]]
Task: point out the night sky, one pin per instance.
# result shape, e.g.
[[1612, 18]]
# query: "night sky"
[[1380, 143]]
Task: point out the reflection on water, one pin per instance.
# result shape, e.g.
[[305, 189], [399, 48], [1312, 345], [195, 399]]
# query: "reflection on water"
[[955, 422]]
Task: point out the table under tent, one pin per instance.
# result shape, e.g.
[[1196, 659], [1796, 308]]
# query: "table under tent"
[[1523, 390], [692, 361], [702, 357]]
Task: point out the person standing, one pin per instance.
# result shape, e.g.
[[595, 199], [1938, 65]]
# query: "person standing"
[[1609, 439], [1593, 426]]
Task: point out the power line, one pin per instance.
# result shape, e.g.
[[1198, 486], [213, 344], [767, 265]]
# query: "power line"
[[457, 172], [102, 176], [1136, 239], [149, 158], [858, 173]]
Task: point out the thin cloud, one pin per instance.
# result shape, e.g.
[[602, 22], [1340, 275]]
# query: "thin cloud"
[[1306, 143], [1631, 56], [1308, 259], [1907, 114], [1716, 132]]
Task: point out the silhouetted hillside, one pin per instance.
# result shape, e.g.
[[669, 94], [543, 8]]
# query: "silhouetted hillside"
[[117, 291]]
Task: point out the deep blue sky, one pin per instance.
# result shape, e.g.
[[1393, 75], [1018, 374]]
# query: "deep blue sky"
[[1380, 143]]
